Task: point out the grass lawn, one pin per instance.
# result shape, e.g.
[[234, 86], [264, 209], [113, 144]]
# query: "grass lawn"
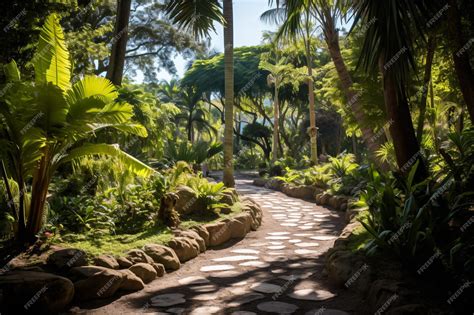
[[118, 244]]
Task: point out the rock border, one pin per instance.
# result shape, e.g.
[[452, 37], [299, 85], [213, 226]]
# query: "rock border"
[[305, 192], [128, 273]]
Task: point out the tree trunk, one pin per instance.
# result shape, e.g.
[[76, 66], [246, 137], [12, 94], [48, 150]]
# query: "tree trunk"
[[276, 114], [426, 81], [407, 149], [332, 40], [119, 43], [461, 56], [313, 131], [39, 192], [229, 94]]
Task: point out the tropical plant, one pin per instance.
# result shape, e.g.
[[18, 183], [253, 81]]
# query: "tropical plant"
[[199, 16], [49, 123], [209, 193]]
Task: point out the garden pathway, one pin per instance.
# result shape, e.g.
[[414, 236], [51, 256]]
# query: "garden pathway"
[[275, 270]]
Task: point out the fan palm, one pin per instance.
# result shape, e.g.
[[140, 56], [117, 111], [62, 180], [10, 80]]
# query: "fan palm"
[[49, 122], [199, 16]]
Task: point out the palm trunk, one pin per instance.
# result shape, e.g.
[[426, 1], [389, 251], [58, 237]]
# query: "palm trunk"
[[119, 44], [332, 40], [407, 148], [39, 192], [229, 94], [426, 80], [461, 56], [312, 111], [276, 118]]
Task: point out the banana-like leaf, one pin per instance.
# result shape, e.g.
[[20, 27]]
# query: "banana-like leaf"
[[90, 149], [51, 60], [11, 71]]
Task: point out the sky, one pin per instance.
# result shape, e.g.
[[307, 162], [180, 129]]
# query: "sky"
[[248, 31]]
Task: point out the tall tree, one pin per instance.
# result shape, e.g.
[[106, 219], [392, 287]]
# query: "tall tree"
[[229, 94], [303, 29], [388, 47], [119, 42], [326, 13], [199, 16], [460, 50]]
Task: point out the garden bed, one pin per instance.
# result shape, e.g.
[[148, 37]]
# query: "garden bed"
[[86, 273]]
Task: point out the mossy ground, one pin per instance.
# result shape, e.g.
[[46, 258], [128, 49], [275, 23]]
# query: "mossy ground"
[[118, 244]]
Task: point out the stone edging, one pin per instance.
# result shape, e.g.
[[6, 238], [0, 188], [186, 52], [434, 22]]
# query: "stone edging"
[[67, 270], [306, 192]]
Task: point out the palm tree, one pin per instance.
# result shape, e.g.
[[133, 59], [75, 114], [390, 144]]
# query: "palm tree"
[[303, 30], [199, 16], [326, 13], [49, 123], [387, 48]]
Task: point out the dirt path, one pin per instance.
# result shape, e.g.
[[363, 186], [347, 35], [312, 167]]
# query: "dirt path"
[[275, 270]]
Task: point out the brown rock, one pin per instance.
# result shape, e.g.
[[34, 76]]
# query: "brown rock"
[[144, 271], [187, 200], [163, 255], [124, 263], [203, 233], [192, 235], [130, 281], [159, 268], [138, 256], [64, 259], [260, 182], [185, 248], [225, 210], [35, 292], [219, 233], [98, 286], [107, 261]]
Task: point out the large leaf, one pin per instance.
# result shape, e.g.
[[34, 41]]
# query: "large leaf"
[[91, 86], [11, 71], [51, 60], [135, 165]]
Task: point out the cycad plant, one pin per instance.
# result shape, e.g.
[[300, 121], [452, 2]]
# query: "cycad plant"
[[50, 121]]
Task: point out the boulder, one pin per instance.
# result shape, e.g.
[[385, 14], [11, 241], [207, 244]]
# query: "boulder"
[[159, 268], [84, 272], [100, 285], [275, 184], [66, 258], [130, 281], [35, 292], [240, 225], [192, 235], [163, 255], [219, 233], [260, 182], [348, 269], [229, 196], [185, 248], [318, 197], [138, 256], [107, 261], [300, 192], [324, 199], [202, 232], [256, 212], [237, 229], [144, 271], [124, 263], [187, 200]]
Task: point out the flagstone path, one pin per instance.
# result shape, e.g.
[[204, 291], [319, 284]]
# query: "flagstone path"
[[275, 270]]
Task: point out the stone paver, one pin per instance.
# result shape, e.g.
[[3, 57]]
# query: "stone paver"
[[276, 269]]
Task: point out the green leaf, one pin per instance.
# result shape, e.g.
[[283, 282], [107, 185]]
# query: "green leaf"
[[11, 71], [134, 165], [51, 60]]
